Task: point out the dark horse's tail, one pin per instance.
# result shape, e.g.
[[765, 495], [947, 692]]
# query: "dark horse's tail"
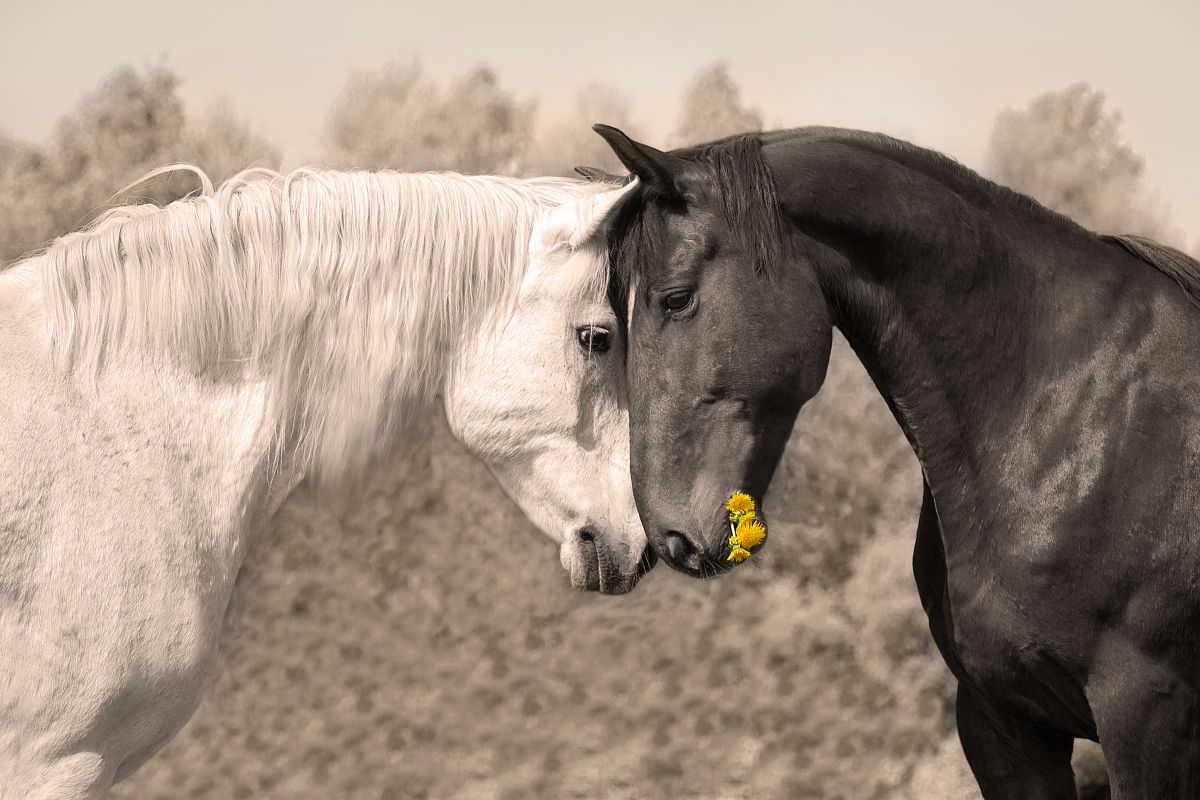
[[1182, 268]]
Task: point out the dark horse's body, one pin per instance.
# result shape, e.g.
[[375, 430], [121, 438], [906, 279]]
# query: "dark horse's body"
[[1047, 378]]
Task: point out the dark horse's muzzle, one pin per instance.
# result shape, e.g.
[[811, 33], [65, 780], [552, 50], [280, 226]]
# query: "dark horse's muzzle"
[[704, 550]]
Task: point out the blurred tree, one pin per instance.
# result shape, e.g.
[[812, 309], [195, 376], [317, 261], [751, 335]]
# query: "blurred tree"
[[1067, 150], [572, 142], [222, 144], [492, 130], [396, 117], [24, 221], [712, 108], [131, 123], [378, 118]]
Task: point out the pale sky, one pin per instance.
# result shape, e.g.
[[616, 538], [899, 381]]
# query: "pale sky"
[[933, 73]]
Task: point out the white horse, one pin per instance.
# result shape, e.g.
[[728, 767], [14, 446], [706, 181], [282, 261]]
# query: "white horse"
[[168, 376]]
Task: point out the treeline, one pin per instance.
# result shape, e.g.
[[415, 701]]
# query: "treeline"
[[132, 122], [1066, 148]]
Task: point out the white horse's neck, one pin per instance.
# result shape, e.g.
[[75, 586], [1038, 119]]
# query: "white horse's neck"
[[345, 292]]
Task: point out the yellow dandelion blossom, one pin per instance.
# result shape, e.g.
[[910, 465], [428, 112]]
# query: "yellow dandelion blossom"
[[750, 532], [739, 503], [738, 554]]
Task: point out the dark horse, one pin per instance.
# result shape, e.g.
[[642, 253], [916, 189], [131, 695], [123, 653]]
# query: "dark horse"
[[1048, 379]]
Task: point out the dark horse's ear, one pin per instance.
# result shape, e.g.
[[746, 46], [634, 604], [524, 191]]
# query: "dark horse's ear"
[[597, 175], [656, 169]]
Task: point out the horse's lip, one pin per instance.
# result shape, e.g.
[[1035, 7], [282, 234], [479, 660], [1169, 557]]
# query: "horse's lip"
[[590, 555], [646, 563], [625, 582]]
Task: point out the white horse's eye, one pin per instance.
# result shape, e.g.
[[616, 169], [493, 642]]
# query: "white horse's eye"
[[593, 339]]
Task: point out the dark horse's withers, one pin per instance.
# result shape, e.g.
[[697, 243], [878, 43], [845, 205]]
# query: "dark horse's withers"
[[1047, 378]]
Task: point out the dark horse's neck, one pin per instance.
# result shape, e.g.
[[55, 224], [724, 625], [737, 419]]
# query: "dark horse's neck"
[[981, 317]]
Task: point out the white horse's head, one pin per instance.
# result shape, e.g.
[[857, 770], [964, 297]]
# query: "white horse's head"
[[541, 400], [360, 296]]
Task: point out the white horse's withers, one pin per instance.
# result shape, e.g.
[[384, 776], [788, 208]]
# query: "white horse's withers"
[[168, 376]]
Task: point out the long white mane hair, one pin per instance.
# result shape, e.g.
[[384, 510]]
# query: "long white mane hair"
[[343, 292]]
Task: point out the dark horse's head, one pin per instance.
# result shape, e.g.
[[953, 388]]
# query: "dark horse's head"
[[728, 337]]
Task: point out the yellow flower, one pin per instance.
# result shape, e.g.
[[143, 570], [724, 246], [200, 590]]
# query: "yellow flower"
[[739, 503], [738, 555], [751, 533]]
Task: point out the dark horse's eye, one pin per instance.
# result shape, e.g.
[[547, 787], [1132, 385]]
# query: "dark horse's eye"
[[677, 301], [593, 339]]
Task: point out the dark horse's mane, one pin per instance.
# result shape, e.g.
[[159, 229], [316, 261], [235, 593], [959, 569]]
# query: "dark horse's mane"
[[750, 203]]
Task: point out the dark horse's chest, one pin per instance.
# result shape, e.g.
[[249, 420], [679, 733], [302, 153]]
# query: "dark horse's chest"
[[989, 642]]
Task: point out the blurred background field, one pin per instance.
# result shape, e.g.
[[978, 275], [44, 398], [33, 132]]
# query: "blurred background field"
[[367, 659]]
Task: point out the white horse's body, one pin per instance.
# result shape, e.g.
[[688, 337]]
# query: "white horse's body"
[[147, 431], [124, 516]]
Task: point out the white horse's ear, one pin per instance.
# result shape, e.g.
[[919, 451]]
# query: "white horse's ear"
[[597, 175], [599, 211]]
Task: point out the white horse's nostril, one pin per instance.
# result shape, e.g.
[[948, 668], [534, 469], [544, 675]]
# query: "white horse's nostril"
[[591, 552], [581, 558]]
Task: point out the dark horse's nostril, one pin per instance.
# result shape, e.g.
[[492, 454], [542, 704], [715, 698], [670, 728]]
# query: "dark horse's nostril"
[[680, 549]]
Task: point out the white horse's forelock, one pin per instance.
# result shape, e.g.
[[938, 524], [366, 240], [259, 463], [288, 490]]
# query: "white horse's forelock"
[[343, 292]]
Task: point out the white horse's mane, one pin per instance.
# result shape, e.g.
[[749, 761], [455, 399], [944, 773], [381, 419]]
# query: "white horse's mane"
[[344, 292]]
